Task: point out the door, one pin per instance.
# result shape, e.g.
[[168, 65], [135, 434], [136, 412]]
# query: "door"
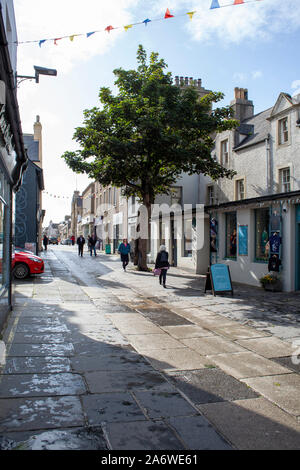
[[298, 256]]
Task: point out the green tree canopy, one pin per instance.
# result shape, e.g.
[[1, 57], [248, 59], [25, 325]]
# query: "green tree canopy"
[[152, 131]]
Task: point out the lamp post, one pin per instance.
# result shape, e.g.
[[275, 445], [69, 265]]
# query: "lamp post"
[[38, 71]]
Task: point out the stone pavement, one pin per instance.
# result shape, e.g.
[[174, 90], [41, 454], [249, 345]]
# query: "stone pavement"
[[101, 359]]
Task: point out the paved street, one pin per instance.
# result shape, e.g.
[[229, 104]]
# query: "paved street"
[[102, 359]]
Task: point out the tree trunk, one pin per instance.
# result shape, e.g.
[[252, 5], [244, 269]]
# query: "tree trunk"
[[144, 233]]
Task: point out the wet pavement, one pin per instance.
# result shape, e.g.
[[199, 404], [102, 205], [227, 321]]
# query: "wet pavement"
[[98, 358]]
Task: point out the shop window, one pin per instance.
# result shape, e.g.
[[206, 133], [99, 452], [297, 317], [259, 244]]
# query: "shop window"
[[231, 237], [187, 238], [285, 180], [283, 131], [262, 223], [224, 152]]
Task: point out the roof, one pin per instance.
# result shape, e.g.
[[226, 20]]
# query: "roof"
[[32, 147], [255, 129]]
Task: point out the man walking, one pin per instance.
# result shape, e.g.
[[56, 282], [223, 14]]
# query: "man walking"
[[124, 250], [92, 245], [80, 243], [45, 242]]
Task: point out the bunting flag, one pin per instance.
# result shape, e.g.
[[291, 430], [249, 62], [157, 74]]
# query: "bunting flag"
[[214, 5], [191, 14], [168, 14]]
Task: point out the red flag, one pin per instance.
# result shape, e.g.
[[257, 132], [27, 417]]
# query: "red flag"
[[238, 2], [108, 28], [168, 14]]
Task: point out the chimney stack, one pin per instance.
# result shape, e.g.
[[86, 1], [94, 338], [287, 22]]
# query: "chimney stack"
[[243, 108]]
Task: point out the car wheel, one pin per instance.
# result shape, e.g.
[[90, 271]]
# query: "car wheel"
[[21, 271]]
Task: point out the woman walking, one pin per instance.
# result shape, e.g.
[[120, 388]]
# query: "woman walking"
[[162, 263], [124, 250]]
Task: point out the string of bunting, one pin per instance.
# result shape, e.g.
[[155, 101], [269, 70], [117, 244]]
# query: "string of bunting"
[[214, 5]]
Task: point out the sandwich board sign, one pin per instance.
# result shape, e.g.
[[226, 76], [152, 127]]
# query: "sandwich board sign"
[[218, 279]]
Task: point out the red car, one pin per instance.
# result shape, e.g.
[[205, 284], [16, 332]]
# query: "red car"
[[25, 263]]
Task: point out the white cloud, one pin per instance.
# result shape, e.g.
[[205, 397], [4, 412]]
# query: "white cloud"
[[254, 21], [296, 87], [37, 20], [256, 74]]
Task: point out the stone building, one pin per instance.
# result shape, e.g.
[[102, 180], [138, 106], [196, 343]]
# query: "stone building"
[[256, 216]]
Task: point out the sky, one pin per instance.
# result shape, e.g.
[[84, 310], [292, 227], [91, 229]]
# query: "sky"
[[254, 46]]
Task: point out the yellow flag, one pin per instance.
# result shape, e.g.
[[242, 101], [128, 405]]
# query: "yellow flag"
[[72, 37], [127, 27], [191, 14]]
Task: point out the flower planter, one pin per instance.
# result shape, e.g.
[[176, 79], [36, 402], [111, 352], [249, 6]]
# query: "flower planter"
[[273, 286]]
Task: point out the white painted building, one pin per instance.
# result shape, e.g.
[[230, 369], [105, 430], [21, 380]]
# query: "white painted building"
[[262, 202]]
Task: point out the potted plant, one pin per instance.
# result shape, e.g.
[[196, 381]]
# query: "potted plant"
[[271, 282]]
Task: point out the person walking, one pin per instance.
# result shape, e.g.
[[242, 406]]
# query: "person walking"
[[80, 243], [162, 263], [92, 240], [73, 240], [124, 250], [45, 242]]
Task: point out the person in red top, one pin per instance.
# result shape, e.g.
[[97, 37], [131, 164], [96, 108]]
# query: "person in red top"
[[73, 239]]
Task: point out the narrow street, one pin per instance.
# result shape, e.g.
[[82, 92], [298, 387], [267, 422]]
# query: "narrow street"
[[102, 359]]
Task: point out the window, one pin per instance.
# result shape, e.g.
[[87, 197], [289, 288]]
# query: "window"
[[262, 222], [240, 189], [283, 131], [224, 152], [231, 235], [284, 180], [210, 195], [115, 196], [187, 238]]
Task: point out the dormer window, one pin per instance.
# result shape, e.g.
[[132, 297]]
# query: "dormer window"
[[283, 131]]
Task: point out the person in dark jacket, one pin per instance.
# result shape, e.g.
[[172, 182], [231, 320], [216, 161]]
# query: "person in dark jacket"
[[124, 250], [45, 242], [80, 243], [162, 263], [92, 240]]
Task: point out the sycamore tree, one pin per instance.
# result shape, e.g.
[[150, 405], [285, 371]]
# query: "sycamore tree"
[[143, 138]]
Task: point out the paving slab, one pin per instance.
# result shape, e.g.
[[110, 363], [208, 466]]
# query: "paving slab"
[[111, 407], [210, 386], [247, 364], [150, 436], [178, 359], [144, 343], [133, 327], [212, 345], [283, 390], [67, 439], [111, 381], [34, 385], [111, 362], [237, 331], [36, 365], [163, 404], [254, 424], [198, 433], [186, 331], [164, 317], [268, 347], [48, 349], [35, 338], [22, 414], [290, 362]]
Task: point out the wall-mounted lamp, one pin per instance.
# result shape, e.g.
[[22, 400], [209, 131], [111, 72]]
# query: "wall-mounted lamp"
[[38, 71]]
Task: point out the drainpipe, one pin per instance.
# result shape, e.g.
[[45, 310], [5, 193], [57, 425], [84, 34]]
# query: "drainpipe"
[[268, 157]]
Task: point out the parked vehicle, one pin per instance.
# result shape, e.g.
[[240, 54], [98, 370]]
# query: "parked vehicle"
[[53, 241], [67, 241], [25, 263]]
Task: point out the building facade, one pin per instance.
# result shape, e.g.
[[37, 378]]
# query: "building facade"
[[255, 217], [13, 158]]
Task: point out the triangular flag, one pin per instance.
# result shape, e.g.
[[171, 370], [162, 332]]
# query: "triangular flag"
[[168, 14], [146, 21], [127, 27], [42, 41], [214, 4], [108, 28], [89, 34], [72, 37], [191, 14], [57, 39], [238, 2]]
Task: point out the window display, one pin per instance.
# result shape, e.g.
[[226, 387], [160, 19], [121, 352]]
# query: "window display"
[[262, 246], [231, 235]]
